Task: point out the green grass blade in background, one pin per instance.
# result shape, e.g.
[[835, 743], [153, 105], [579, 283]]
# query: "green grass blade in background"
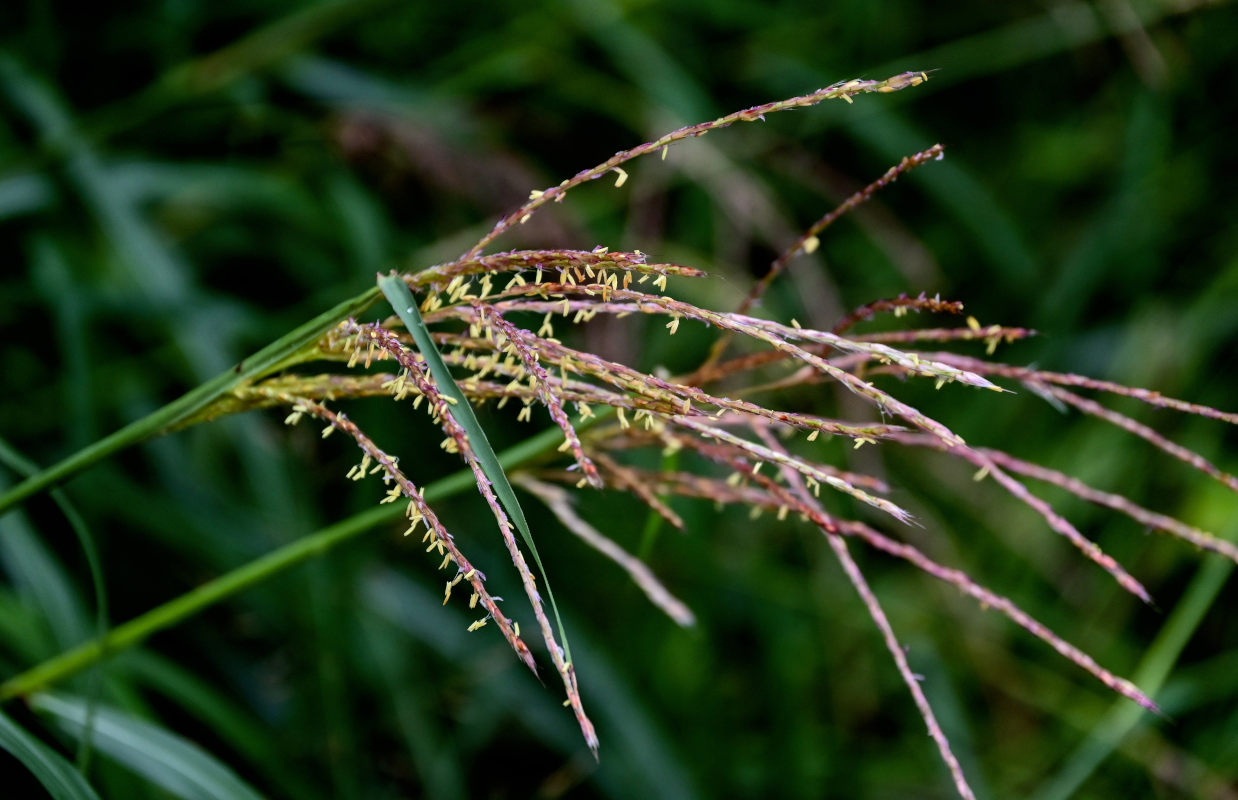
[[402, 301], [223, 716], [170, 762], [41, 580], [19, 463], [56, 774], [643, 760]]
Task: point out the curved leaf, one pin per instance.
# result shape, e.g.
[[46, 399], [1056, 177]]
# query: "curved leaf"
[[405, 306], [167, 760], [52, 769]]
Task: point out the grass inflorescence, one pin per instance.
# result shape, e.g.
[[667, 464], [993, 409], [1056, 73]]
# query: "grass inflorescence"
[[497, 329]]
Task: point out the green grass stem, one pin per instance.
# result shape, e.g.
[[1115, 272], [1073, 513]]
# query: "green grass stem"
[[275, 356]]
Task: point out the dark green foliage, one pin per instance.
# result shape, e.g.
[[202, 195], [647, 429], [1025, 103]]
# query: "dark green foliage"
[[182, 184]]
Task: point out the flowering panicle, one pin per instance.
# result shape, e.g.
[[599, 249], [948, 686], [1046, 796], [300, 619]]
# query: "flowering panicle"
[[503, 361], [492, 319]]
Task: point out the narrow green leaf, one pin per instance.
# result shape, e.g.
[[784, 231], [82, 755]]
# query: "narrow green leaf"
[[273, 357], [37, 575], [19, 463], [167, 760], [52, 770], [405, 306]]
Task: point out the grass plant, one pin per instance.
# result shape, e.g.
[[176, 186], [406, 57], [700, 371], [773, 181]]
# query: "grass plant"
[[499, 330]]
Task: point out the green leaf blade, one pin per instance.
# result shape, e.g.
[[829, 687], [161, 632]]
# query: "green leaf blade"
[[167, 760], [405, 306], [51, 769]]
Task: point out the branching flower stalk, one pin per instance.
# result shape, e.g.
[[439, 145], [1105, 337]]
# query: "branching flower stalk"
[[559, 502], [490, 322], [499, 359]]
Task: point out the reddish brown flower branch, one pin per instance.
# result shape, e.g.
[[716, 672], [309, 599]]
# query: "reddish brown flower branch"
[[582, 264], [416, 371], [627, 479], [809, 241], [991, 335], [1155, 521], [898, 306], [1142, 431], [418, 512], [844, 90], [878, 615], [784, 460], [989, 468], [1066, 379]]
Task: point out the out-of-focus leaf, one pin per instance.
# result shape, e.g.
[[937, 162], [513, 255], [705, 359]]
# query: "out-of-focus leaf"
[[53, 771], [167, 760], [41, 580], [24, 194]]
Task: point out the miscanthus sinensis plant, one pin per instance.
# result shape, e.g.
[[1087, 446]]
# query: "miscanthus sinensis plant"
[[496, 329]]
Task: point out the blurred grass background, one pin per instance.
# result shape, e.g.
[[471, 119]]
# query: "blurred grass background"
[[183, 182]]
